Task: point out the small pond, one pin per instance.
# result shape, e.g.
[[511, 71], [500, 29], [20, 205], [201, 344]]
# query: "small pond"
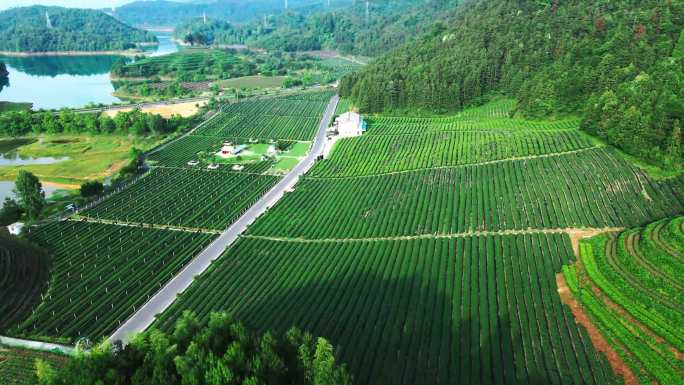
[[6, 188]]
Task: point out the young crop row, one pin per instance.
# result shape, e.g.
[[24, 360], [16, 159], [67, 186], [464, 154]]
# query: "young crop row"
[[312, 96], [587, 189], [409, 126], [277, 107], [368, 155], [263, 127], [472, 310], [187, 198], [599, 259], [24, 272], [276, 118], [619, 287], [18, 366], [343, 106], [101, 274]]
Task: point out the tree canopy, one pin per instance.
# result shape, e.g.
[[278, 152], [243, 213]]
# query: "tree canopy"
[[30, 193], [219, 352], [51, 29], [18, 123], [618, 64], [345, 29]]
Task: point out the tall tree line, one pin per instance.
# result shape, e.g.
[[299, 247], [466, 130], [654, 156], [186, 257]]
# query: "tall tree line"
[[617, 63]]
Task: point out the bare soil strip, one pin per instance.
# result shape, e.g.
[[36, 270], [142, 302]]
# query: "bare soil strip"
[[83, 218], [619, 367]]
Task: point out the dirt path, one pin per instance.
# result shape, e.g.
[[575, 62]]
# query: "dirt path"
[[65, 186], [600, 343], [578, 233], [166, 111], [84, 218]]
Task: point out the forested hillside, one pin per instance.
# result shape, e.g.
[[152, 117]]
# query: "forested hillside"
[[47, 29], [619, 64], [171, 13], [349, 29]]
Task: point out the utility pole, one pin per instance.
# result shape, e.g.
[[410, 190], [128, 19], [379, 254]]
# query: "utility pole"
[[205, 17], [285, 4], [367, 11]]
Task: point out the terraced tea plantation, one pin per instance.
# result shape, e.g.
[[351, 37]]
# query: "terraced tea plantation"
[[278, 118], [468, 310], [632, 287], [196, 199], [18, 366], [587, 189], [110, 259], [101, 273], [427, 249], [382, 154], [24, 272]]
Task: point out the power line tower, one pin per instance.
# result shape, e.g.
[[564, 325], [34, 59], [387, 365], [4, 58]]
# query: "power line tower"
[[285, 4], [47, 19], [367, 11]]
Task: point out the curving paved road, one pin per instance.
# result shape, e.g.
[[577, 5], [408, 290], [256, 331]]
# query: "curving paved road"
[[145, 316]]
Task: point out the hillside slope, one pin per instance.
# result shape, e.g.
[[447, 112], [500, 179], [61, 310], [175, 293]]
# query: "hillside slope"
[[171, 13], [607, 60], [48, 29], [348, 29]]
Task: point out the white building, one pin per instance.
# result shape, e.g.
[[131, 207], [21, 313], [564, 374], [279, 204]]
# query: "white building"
[[349, 124], [15, 228]]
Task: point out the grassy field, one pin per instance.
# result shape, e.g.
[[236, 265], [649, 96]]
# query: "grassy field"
[[256, 81], [90, 157]]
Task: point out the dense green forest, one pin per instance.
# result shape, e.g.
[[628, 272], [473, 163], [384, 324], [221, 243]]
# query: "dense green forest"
[[171, 13], [618, 63], [349, 29], [20, 123], [48, 29], [219, 351]]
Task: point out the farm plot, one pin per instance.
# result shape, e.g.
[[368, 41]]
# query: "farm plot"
[[184, 150], [471, 310], [24, 272], [189, 198], [409, 126], [625, 284], [276, 118], [101, 274], [18, 366], [265, 127], [587, 189], [380, 154], [180, 152]]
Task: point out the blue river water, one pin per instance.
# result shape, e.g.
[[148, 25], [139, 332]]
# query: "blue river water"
[[65, 81]]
